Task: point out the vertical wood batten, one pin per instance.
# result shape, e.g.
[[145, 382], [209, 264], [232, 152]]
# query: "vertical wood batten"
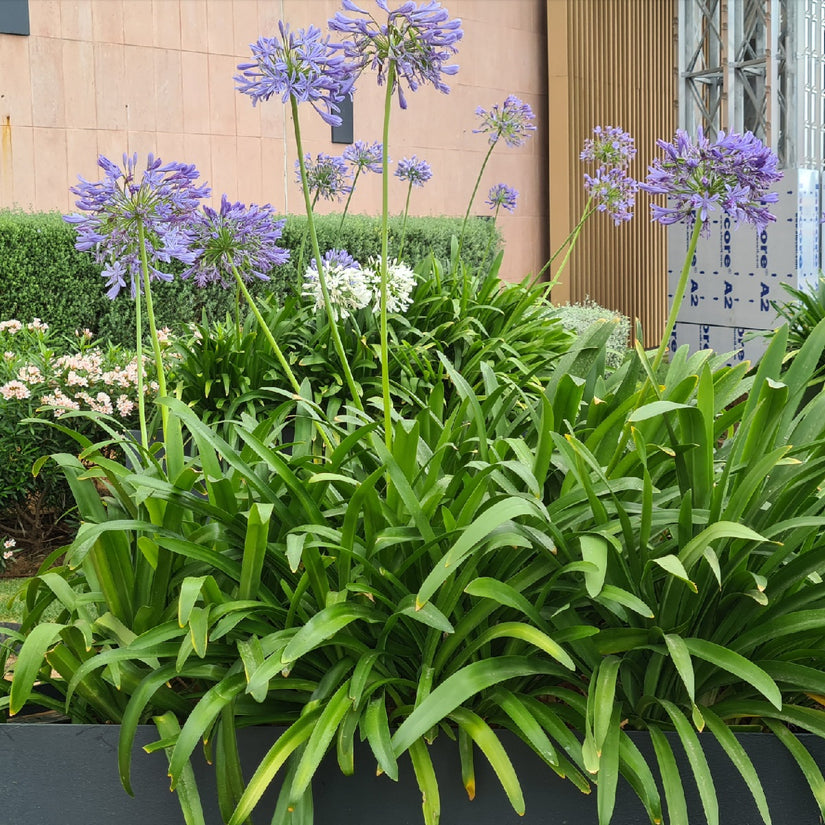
[[620, 73]]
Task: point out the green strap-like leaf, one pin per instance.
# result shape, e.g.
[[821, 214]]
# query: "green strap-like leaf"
[[295, 735], [377, 729], [807, 764], [740, 759], [470, 538], [320, 739], [427, 783], [728, 660], [188, 796], [324, 625], [456, 689], [490, 745], [671, 779], [698, 761]]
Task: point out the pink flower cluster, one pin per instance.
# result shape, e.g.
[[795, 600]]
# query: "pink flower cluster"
[[93, 379]]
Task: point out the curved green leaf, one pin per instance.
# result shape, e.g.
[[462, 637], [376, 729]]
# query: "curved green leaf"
[[455, 690]]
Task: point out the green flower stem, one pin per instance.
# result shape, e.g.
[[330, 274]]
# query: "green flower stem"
[[473, 196], [144, 434], [558, 252], [492, 234], [569, 242], [346, 205], [404, 221], [275, 348], [333, 325], [153, 331], [678, 295], [304, 236], [385, 207]]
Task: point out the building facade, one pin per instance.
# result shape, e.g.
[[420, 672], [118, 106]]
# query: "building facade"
[[111, 76]]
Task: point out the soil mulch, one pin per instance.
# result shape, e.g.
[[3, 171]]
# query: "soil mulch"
[[38, 529]]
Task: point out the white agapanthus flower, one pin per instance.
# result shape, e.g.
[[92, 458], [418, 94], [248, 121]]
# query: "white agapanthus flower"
[[352, 287], [347, 284], [400, 284]]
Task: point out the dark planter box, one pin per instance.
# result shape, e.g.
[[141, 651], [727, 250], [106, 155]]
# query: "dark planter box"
[[67, 774]]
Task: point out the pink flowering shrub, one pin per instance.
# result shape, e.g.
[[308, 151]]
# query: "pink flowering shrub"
[[43, 377]]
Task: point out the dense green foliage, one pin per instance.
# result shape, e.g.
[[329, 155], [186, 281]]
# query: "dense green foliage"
[[802, 313], [43, 276], [580, 316], [567, 558], [484, 328]]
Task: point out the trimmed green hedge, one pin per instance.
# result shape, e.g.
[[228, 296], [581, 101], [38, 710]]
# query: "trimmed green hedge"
[[43, 276]]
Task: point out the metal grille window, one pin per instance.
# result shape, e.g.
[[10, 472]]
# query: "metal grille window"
[[759, 66]]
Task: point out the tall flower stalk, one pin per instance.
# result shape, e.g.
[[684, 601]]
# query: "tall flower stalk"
[[512, 122], [362, 157], [610, 189], [733, 174], [416, 172], [304, 66], [131, 224], [412, 47]]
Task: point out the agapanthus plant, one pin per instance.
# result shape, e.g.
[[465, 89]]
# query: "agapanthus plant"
[[303, 66], [400, 285], [416, 172], [362, 157], [733, 174], [235, 240], [610, 189], [610, 146], [411, 45], [327, 176], [502, 195], [131, 223], [347, 283], [236, 244], [512, 121]]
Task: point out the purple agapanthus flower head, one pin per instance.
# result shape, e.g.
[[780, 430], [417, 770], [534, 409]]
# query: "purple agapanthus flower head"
[[157, 203], [609, 146], [502, 195], [613, 191], [364, 157], [416, 171], [336, 257], [235, 237], [733, 173], [303, 65], [415, 39], [513, 121], [327, 176]]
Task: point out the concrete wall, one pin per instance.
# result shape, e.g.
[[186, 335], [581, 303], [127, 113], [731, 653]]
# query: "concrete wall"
[[108, 76]]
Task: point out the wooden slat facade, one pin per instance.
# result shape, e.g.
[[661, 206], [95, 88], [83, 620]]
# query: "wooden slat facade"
[[614, 67]]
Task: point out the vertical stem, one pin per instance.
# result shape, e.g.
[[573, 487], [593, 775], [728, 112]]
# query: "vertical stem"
[[473, 196], [570, 242], [274, 344], [678, 294], [558, 251], [333, 326], [492, 234], [404, 222], [150, 314], [385, 207], [144, 435], [304, 236], [346, 205]]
